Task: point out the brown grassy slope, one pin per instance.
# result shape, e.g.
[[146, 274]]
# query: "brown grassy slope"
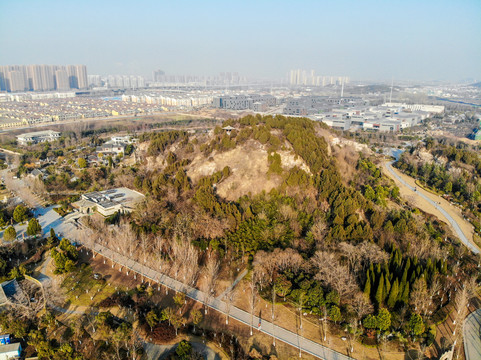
[[249, 166]]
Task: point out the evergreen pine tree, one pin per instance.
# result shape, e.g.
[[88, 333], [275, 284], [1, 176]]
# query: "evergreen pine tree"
[[367, 286], [386, 270], [413, 277], [404, 278], [393, 295], [405, 294], [429, 264], [415, 261], [380, 291], [372, 276], [387, 287]]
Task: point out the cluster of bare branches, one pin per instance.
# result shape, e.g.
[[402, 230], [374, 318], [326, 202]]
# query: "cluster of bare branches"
[[361, 256], [267, 265], [361, 304], [124, 238], [334, 275], [174, 255], [253, 300], [419, 244], [464, 294], [28, 299], [211, 272], [184, 261]]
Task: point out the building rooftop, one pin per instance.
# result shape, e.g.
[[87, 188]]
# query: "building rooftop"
[[38, 133], [10, 347], [107, 200], [3, 296]]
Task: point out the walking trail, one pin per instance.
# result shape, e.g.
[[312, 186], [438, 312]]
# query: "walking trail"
[[435, 205], [289, 337]]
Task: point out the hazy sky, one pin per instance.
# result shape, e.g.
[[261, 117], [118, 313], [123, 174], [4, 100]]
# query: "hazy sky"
[[407, 39]]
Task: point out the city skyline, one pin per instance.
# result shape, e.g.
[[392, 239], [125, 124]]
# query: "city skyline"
[[34, 77], [363, 40]]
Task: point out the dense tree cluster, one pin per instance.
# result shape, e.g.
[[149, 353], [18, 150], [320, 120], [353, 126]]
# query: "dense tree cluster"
[[65, 256], [160, 140], [393, 282], [33, 227]]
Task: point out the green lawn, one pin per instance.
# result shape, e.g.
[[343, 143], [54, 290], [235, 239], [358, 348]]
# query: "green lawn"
[[76, 286]]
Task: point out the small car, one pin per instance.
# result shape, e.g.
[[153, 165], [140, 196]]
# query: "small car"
[[97, 276]]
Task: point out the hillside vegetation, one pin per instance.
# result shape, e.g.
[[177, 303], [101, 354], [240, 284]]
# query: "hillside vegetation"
[[314, 237], [317, 226], [323, 235]]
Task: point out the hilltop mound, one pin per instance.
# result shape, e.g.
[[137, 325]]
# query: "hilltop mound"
[[301, 147], [249, 169]]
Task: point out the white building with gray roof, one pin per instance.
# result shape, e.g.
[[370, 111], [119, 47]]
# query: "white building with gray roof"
[[37, 137]]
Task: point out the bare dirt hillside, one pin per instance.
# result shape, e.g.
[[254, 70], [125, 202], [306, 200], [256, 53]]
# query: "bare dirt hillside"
[[249, 166]]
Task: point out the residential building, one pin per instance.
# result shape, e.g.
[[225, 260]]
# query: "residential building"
[[12, 123], [61, 80], [15, 78], [81, 74], [37, 137], [110, 148], [157, 75], [309, 78], [259, 106], [115, 145]]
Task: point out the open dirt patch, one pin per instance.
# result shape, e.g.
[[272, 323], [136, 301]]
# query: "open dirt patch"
[[249, 166]]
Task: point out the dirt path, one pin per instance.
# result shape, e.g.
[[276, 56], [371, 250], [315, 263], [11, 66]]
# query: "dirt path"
[[433, 204]]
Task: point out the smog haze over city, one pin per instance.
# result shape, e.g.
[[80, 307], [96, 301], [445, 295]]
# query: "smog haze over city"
[[366, 40]]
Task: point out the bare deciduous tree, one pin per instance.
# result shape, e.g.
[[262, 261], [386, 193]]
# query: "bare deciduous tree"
[[20, 302], [333, 274], [354, 333], [361, 304], [266, 265], [253, 300], [123, 239], [461, 302], [420, 298], [318, 230], [371, 254], [211, 272]]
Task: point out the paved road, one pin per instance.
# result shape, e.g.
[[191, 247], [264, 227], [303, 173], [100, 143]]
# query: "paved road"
[[233, 285], [48, 219], [472, 336], [464, 239], [240, 315]]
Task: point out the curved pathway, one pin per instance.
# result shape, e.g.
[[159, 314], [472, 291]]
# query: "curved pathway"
[[472, 324], [454, 225], [472, 336]]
